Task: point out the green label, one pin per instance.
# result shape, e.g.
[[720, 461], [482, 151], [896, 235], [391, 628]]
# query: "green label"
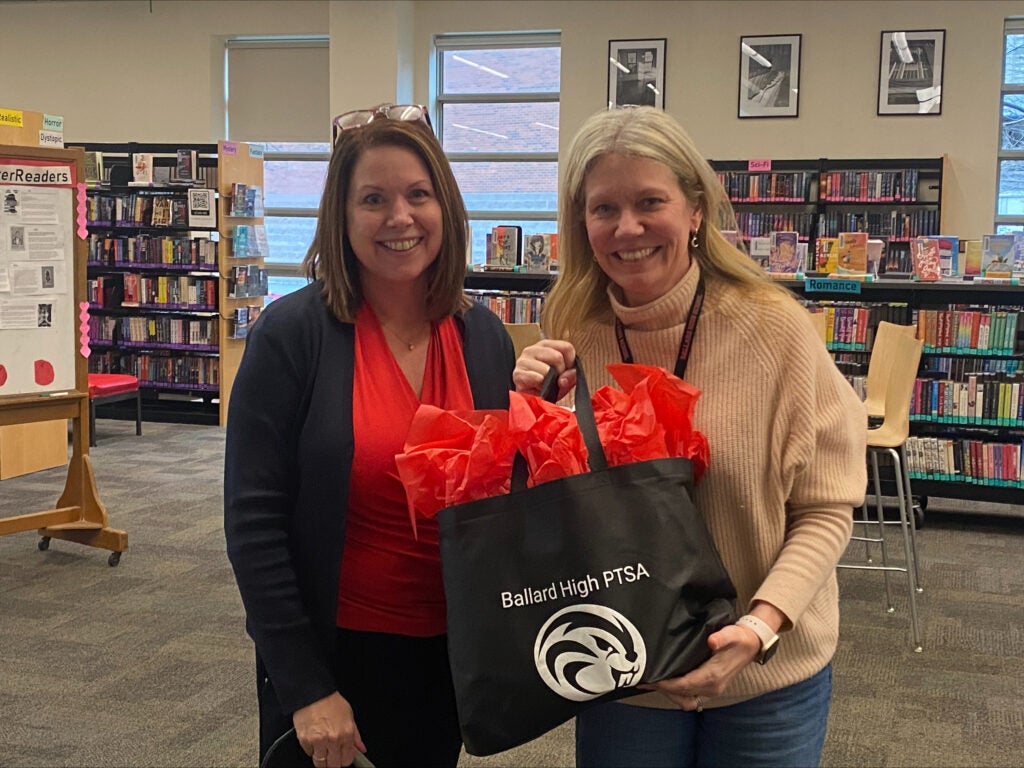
[[821, 285], [53, 123]]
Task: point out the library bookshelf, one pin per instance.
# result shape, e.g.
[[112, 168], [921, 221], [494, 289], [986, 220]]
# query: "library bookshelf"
[[894, 200], [160, 273], [942, 463], [967, 416]]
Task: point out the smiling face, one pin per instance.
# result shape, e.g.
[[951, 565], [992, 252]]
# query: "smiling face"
[[392, 216], [639, 225]]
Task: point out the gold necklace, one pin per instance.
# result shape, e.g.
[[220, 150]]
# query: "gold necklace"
[[411, 345]]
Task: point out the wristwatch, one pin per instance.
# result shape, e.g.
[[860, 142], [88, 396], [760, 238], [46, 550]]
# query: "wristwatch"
[[769, 638]]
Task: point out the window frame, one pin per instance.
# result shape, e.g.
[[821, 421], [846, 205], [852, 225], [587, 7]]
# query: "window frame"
[[1012, 26], [279, 268], [449, 42]]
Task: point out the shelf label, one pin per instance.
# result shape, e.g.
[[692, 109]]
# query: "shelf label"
[[53, 123], [51, 139], [229, 148], [13, 118], [256, 150], [759, 165], [820, 285]]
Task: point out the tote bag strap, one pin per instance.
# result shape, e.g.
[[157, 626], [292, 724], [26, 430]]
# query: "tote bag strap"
[[584, 416]]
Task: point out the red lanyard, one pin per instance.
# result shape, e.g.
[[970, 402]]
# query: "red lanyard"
[[685, 343]]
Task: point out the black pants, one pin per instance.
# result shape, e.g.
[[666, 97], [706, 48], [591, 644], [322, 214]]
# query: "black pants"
[[400, 689]]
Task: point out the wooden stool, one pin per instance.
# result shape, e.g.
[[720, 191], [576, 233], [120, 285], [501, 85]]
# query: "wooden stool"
[[110, 388]]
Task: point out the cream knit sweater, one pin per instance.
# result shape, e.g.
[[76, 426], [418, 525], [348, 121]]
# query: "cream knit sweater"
[[787, 438]]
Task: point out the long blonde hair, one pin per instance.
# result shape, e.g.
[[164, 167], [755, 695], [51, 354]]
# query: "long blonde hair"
[[579, 295]]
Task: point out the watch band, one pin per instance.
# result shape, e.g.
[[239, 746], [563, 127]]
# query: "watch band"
[[760, 627], [768, 636]]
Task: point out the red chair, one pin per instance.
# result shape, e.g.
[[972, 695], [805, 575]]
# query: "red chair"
[[110, 388]]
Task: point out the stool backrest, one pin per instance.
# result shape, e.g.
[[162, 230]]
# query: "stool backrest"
[[883, 355], [523, 335], [898, 393]]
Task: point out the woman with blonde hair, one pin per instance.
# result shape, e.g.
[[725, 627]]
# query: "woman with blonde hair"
[[646, 276]]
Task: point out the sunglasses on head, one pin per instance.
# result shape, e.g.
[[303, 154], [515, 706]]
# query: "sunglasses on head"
[[358, 118]]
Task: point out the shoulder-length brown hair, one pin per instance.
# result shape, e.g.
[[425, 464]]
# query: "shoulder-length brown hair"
[[330, 257]]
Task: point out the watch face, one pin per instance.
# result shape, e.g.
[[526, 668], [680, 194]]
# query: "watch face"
[[769, 651]]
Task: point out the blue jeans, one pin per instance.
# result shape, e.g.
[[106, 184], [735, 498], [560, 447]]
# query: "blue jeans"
[[781, 728]]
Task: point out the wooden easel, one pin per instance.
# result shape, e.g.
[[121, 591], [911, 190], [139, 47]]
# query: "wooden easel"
[[79, 514]]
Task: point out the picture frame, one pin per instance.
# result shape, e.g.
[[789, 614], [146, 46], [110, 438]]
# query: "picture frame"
[[636, 73], [910, 68], [769, 81]]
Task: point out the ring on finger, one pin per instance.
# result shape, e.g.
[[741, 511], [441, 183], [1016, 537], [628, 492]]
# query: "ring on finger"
[[700, 703]]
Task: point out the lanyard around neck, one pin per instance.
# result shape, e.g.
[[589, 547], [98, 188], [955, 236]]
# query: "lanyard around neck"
[[685, 343]]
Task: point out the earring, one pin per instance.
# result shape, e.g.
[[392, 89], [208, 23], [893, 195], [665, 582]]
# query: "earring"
[[694, 242]]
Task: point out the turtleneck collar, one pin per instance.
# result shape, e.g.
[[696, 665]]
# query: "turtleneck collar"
[[665, 311]]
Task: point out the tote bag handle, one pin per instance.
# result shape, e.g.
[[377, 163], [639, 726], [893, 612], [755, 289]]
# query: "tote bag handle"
[[584, 416]]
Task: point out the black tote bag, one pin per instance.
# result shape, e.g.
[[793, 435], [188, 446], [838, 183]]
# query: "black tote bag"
[[575, 591]]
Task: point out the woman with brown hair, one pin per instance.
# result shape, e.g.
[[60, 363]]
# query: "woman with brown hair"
[[344, 603]]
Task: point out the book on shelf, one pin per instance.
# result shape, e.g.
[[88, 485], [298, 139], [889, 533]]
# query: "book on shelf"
[[949, 254], [131, 294], [760, 250], [238, 199], [201, 210], [262, 249], [826, 254], [240, 276], [249, 241], [254, 202], [93, 167], [924, 252], [997, 255], [875, 250], [853, 252], [160, 216], [506, 246], [783, 254], [142, 167], [541, 252], [241, 328], [179, 212], [185, 163]]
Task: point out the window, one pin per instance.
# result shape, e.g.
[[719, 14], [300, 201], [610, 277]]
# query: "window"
[[497, 100], [263, 105], [1010, 178]]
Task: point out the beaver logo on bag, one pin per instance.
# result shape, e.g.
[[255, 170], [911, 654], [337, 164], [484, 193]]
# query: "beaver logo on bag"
[[585, 651]]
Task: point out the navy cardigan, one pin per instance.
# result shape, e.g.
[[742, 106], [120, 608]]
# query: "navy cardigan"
[[287, 461]]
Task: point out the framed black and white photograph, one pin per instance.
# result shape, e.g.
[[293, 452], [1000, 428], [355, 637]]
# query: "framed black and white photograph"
[[636, 73], [910, 72], [770, 76]]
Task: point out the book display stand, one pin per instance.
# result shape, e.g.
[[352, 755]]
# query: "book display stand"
[[243, 284], [43, 368]]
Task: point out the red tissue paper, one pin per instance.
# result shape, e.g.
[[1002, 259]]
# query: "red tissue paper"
[[452, 457], [651, 418]]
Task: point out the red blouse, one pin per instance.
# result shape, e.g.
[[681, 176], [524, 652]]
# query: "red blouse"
[[391, 581]]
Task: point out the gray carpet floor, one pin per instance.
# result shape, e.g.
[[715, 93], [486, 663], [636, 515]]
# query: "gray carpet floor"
[[148, 664]]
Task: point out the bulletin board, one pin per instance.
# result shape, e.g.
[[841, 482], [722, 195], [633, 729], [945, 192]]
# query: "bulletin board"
[[44, 340], [38, 311]]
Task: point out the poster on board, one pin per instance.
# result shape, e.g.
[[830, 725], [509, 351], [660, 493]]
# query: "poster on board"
[[37, 302]]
